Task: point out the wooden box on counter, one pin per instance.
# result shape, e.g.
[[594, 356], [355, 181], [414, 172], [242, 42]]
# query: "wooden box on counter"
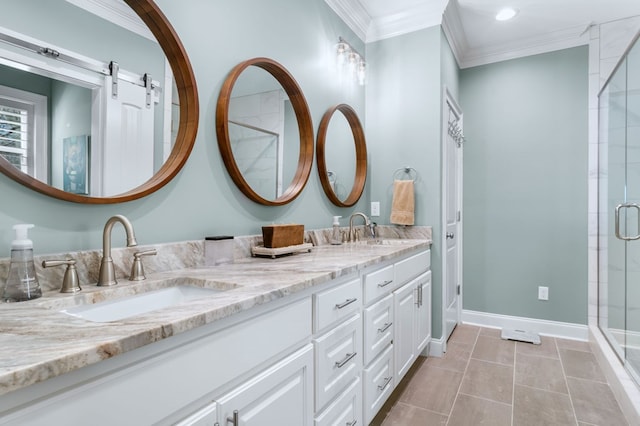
[[275, 236]]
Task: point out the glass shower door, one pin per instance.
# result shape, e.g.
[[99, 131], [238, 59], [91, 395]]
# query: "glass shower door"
[[619, 219], [632, 296]]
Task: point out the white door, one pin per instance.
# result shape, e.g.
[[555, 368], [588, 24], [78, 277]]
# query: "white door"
[[452, 212], [404, 301], [282, 395], [127, 150]]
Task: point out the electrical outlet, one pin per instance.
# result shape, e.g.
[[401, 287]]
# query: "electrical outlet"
[[375, 208], [543, 293]]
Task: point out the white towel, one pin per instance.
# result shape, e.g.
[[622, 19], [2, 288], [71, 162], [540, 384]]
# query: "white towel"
[[403, 204]]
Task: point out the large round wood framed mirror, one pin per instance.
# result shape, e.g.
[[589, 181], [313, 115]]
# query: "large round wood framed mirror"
[[265, 132], [81, 154], [341, 150]]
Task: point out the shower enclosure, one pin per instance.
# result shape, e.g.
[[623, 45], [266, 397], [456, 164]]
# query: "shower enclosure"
[[619, 210]]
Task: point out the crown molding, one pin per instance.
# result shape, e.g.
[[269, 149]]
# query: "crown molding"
[[549, 42], [413, 19], [353, 14], [117, 12], [454, 31]]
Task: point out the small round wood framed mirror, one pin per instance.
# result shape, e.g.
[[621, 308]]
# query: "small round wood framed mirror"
[[265, 132], [341, 150]]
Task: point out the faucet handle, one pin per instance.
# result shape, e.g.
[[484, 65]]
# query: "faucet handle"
[[137, 270], [70, 281]]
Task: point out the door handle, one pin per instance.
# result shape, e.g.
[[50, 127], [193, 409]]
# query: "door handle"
[[617, 221], [450, 235]]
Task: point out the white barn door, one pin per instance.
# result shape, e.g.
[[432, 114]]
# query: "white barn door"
[[128, 144]]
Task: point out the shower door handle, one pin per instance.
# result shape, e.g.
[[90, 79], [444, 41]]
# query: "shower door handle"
[[626, 206]]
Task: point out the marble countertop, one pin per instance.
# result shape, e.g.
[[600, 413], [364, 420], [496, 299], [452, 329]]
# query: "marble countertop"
[[39, 342]]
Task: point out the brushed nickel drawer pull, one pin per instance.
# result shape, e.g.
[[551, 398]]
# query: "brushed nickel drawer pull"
[[385, 327], [345, 303], [384, 284], [387, 380], [352, 423], [346, 359], [235, 419]]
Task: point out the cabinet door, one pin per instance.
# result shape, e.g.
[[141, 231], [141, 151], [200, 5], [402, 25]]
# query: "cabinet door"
[[281, 395], [423, 312], [404, 307], [205, 417]]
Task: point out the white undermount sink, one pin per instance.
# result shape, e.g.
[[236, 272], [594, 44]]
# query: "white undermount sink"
[[114, 310]]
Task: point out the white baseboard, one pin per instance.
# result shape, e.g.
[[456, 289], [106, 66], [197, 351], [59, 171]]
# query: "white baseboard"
[[435, 348], [563, 330]]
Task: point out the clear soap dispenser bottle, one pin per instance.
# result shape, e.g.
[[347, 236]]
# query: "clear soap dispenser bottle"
[[336, 236], [22, 281]]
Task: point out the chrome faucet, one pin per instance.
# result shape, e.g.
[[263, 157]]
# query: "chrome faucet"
[[107, 274], [367, 223]]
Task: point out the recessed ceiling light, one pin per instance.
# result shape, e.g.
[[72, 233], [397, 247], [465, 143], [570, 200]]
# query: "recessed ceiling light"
[[506, 14]]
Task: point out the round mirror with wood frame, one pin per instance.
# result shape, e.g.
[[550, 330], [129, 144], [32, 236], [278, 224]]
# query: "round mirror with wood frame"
[[305, 129], [185, 84], [361, 156]]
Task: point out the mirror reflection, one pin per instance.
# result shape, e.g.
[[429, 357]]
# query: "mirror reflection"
[[263, 132], [88, 106], [340, 155]]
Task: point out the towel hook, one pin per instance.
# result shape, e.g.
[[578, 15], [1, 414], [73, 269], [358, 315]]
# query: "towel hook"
[[405, 171]]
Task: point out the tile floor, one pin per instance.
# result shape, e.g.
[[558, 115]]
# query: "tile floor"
[[484, 380]]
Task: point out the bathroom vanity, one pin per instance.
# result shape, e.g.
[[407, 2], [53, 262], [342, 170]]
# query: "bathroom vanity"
[[311, 339]]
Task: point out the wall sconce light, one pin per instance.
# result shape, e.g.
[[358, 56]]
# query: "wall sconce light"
[[350, 61]]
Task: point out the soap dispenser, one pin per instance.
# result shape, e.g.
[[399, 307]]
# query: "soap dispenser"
[[22, 281], [336, 237]]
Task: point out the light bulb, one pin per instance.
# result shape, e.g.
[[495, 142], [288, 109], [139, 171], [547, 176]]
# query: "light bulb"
[[341, 53], [362, 72], [506, 14]]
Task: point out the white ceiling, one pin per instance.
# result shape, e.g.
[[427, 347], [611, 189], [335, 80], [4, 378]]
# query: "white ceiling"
[[476, 37]]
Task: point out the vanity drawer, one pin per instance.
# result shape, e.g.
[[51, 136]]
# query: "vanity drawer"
[[336, 303], [345, 410], [378, 328], [378, 283], [338, 357], [378, 384], [412, 267]]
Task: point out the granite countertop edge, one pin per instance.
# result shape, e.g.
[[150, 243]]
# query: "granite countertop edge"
[[39, 342]]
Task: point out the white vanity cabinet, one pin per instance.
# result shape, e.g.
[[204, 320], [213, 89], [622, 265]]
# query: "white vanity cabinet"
[[281, 395], [328, 355], [207, 416], [177, 379], [337, 345], [397, 325], [412, 306]]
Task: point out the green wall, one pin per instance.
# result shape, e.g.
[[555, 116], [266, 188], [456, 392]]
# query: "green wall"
[[404, 103], [202, 200], [525, 186]]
